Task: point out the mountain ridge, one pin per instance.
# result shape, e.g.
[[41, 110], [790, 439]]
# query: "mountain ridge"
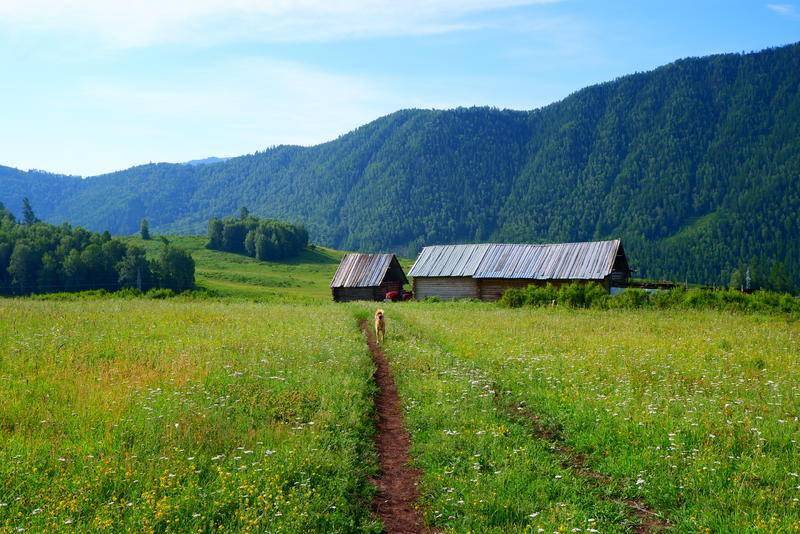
[[693, 164]]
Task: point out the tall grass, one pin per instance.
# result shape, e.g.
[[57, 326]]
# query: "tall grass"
[[125, 415], [693, 412], [577, 295]]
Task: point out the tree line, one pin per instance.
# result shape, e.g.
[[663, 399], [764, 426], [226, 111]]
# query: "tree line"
[[37, 257], [264, 239]]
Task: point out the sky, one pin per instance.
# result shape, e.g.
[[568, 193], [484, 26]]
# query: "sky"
[[92, 86]]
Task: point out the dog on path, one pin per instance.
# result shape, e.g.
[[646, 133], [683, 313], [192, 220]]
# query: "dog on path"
[[380, 326]]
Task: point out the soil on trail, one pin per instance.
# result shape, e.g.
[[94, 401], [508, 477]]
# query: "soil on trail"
[[397, 484]]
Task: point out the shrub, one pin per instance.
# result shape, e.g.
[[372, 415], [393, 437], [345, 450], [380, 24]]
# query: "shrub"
[[631, 299], [513, 298], [159, 294], [577, 295]]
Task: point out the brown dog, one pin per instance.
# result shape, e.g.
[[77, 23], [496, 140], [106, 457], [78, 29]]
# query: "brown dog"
[[380, 326]]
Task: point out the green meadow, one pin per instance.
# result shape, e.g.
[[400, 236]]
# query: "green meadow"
[[252, 411], [301, 279]]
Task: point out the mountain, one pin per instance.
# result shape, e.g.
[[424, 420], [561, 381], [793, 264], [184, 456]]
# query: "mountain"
[[205, 161], [695, 165]]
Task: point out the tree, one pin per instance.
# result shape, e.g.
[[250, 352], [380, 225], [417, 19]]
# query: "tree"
[[51, 275], [779, 278], [737, 280], [28, 217], [250, 243], [5, 214], [144, 230], [74, 271], [5, 257], [22, 268], [215, 234], [135, 270], [175, 269], [244, 213], [233, 236]]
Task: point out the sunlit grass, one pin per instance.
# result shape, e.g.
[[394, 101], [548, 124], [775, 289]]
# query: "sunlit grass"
[[696, 413], [304, 278], [183, 416]]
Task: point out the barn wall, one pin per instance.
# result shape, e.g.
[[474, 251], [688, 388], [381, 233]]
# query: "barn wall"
[[492, 289], [445, 288], [347, 294], [619, 279]]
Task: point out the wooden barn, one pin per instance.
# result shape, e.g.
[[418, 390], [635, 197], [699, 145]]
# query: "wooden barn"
[[485, 271], [367, 277]]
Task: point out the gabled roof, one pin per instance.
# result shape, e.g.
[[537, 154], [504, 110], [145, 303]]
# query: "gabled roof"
[[366, 270], [562, 261], [449, 260]]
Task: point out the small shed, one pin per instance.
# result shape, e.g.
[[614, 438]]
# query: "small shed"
[[485, 271], [367, 277]]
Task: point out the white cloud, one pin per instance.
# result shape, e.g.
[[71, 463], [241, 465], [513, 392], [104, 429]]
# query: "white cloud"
[[225, 108], [785, 10], [144, 22]]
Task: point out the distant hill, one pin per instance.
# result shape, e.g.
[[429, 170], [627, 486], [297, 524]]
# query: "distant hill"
[[205, 161], [695, 165]]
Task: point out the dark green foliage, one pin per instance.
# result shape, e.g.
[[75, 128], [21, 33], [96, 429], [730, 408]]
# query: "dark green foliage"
[[175, 269], [5, 213], [216, 230], [591, 295], [41, 258], [28, 217], [263, 239], [144, 230], [574, 295], [694, 165], [135, 271]]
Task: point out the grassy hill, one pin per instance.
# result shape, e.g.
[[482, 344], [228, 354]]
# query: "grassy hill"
[[304, 278]]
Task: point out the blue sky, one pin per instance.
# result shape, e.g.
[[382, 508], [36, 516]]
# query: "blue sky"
[[91, 86]]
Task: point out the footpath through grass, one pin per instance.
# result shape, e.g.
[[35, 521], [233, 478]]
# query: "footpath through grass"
[[693, 413], [126, 415]]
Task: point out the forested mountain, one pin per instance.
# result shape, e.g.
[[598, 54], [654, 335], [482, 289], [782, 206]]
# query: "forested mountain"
[[695, 165]]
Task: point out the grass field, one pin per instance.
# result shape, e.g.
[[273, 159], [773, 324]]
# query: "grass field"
[[694, 414], [193, 415], [302, 279], [129, 415]]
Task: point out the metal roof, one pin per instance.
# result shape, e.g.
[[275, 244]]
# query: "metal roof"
[[364, 270], [449, 260], [561, 261]]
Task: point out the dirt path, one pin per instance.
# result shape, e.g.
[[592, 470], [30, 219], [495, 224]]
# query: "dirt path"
[[397, 484]]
